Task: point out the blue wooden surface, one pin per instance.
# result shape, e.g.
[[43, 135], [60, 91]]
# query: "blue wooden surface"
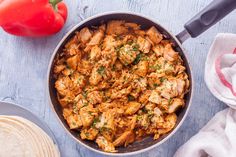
[[23, 66]]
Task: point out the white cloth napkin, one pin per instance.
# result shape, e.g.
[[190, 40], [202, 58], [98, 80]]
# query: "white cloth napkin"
[[220, 69], [218, 137]]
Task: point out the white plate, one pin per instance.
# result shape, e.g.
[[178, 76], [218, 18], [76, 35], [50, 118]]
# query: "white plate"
[[15, 110]]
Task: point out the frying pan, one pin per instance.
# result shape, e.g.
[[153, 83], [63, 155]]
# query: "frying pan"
[[215, 11]]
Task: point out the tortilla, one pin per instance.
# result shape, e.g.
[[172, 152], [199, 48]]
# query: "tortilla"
[[20, 137]]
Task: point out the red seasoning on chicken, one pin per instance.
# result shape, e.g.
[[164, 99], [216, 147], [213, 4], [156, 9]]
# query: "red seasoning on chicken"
[[118, 83]]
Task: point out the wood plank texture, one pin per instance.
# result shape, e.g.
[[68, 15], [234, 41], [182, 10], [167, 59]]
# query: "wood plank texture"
[[23, 66]]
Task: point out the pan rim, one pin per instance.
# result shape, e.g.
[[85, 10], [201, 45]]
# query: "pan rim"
[[110, 13]]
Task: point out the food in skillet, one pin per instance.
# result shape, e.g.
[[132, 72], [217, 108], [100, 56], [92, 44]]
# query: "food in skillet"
[[117, 84]]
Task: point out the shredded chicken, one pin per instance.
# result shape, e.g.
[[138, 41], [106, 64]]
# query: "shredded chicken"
[[117, 83], [126, 138], [85, 34]]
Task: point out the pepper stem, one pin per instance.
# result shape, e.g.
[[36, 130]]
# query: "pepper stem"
[[54, 3]]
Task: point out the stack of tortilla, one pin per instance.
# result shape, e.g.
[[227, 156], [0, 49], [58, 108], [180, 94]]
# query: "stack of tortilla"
[[20, 137]]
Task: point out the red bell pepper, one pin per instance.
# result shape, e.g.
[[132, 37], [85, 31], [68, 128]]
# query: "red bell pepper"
[[34, 18]]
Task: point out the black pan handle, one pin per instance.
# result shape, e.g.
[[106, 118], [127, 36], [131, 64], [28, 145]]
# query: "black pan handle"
[[206, 18]]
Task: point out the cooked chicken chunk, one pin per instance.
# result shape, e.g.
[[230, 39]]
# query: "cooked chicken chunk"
[[150, 106], [142, 68], [86, 114], [85, 34], [80, 101], [144, 45], [97, 37], [175, 104], [72, 62], [169, 53], [84, 67], [155, 97], [105, 106], [67, 112], [134, 26], [78, 81], [132, 107], [172, 88], [154, 80], [63, 85], [110, 43], [158, 49], [95, 97], [116, 94], [157, 120], [140, 83], [105, 144], [154, 35], [89, 134], [68, 99], [71, 47], [127, 54], [59, 68], [74, 121], [96, 75], [145, 96], [106, 120], [95, 53], [116, 27], [169, 124], [143, 120]]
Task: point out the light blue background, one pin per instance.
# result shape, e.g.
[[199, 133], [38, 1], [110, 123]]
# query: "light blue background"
[[23, 66]]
